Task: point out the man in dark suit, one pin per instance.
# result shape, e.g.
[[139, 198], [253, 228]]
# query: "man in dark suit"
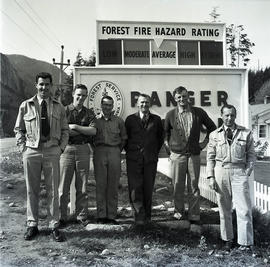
[[145, 138]]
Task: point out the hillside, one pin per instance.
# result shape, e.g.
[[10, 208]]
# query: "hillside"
[[17, 84]]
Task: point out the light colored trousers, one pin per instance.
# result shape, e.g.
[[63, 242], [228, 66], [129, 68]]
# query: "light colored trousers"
[[186, 167], [107, 168], [75, 159], [36, 160], [233, 187]]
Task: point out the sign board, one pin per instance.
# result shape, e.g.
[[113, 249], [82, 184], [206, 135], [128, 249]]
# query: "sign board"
[[156, 43], [208, 87]]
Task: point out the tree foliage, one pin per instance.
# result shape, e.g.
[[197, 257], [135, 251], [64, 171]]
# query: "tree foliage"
[[66, 96], [256, 80], [238, 44], [90, 61]]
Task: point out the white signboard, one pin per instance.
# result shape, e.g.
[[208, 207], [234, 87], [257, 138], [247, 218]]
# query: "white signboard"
[[209, 88], [176, 31]]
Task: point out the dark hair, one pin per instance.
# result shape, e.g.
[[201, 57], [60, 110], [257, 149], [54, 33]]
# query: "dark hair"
[[106, 97], [228, 106], [80, 86], [145, 95], [44, 75], [179, 90]]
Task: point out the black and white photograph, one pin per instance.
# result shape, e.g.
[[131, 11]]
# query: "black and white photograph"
[[134, 133]]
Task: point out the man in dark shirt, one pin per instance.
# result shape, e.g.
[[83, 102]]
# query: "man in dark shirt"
[[76, 157], [182, 126]]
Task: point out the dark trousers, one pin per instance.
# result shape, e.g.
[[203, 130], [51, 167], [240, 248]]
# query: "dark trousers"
[[141, 179]]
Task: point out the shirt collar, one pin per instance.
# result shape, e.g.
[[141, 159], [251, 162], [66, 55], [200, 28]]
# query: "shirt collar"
[[105, 118], [71, 107], [226, 127], [142, 114], [40, 100], [186, 109]]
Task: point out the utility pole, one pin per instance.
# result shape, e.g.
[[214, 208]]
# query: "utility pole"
[[61, 64]]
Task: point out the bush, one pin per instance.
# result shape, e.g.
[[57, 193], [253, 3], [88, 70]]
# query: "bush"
[[261, 224]]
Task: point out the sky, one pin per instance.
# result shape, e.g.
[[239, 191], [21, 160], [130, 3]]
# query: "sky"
[[38, 28]]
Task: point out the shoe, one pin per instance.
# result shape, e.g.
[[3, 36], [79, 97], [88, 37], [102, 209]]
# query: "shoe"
[[197, 222], [139, 222], [57, 235], [84, 222], [31, 232], [228, 245], [62, 223], [177, 216], [246, 248], [112, 221], [147, 220], [102, 220]]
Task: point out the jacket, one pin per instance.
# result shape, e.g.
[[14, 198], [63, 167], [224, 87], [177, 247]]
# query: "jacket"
[[27, 127], [144, 142], [240, 152], [172, 131]]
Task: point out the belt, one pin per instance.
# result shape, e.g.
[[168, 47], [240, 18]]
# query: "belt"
[[187, 154], [78, 143], [228, 165], [105, 145]]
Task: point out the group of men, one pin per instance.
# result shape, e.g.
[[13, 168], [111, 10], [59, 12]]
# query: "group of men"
[[55, 140]]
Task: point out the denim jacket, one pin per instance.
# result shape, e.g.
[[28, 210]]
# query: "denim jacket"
[[240, 152], [27, 127]]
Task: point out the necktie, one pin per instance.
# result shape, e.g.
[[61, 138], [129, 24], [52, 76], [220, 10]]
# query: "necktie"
[[144, 121], [45, 126], [229, 135]]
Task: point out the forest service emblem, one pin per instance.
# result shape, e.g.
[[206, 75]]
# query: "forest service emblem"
[[104, 88]]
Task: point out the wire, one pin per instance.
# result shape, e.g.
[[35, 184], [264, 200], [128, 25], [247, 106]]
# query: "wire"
[[43, 22], [29, 16], [44, 49]]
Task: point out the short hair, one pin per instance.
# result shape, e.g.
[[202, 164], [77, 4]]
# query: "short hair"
[[144, 95], [106, 97], [228, 106], [179, 90], [44, 75], [80, 86]]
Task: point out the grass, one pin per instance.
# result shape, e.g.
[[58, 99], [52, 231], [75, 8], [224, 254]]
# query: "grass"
[[11, 162], [157, 244]]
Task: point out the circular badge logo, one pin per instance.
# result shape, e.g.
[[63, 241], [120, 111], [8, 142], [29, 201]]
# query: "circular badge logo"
[[104, 88]]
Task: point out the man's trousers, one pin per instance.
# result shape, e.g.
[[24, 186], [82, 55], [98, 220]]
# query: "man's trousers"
[[75, 159], [141, 179], [233, 187], [186, 167], [36, 160], [107, 168]]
